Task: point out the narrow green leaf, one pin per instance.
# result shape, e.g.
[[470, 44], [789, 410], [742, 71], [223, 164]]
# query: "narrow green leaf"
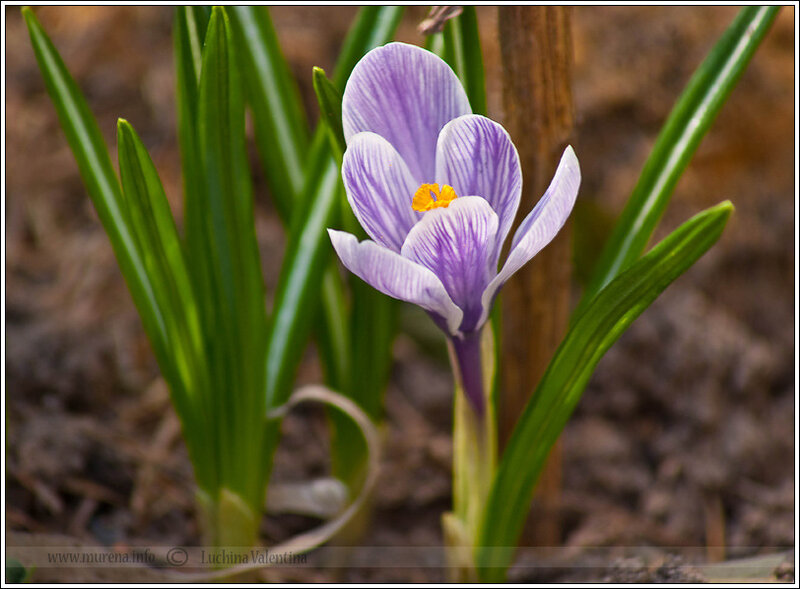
[[688, 122], [373, 323], [373, 319], [280, 124], [461, 48], [435, 44], [156, 236], [189, 31], [298, 293], [334, 333], [94, 163], [154, 231], [373, 327], [330, 109], [234, 307], [329, 99], [592, 334], [282, 138]]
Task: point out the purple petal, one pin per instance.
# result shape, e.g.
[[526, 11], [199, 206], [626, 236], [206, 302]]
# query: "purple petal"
[[475, 155], [542, 224], [396, 276], [379, 189], [406, 95], [457, 244]]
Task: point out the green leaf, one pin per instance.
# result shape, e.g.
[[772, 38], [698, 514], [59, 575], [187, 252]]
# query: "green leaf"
[[309, 271], [329, 100], [156, 237], [373, 323], [591, 335], [298, 292], [94, 163], [333, 332], [688, 122], [461, 49], [330, 110], [281, 128], [233, 305], [373, 318], [435, 44], [189, 31], [282, 138]]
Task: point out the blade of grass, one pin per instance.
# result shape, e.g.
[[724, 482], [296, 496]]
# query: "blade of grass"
[[282, 139], [461, 48], [373, 320], [156, 236], [235, 307], [435, 44], [374, 325], [594, 331], [308, 253], [329, 100], [297, 294], [281, 128], [94, 163], [189, 31], [688, 122]]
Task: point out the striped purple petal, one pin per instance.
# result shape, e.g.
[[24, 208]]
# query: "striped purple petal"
[[379, 189], [406, 95], [396, 276], [456, 243], [475, 155], [541, 225]]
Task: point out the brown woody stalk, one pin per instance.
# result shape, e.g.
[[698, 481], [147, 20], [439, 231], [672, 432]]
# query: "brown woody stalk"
[[536, 53]]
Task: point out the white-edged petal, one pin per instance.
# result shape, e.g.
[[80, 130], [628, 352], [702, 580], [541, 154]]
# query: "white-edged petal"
[[542, 224], [475, 155], [406, 95], [396, 276], [379, 188]]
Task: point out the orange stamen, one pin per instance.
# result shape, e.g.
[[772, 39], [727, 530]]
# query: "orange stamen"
[[429, 197]]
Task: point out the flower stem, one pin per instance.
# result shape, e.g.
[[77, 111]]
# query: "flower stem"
[[227, 522], [474, 448], [465, 356]]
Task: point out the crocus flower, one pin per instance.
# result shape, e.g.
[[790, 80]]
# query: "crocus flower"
[[437, 189]]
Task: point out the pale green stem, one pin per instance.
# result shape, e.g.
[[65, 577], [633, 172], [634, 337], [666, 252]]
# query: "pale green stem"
[[474, 464], [227, 522]]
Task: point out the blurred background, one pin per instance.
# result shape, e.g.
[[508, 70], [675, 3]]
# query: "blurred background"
[[684, 437]]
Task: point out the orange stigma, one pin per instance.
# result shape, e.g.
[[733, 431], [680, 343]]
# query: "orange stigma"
[[428, 197]]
